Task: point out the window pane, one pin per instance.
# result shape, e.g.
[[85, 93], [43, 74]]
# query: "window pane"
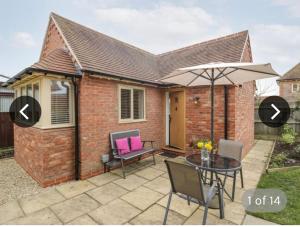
[[36, 93], [29, 90], [138, 104], [125, 103], [60, 107], [23, 91]]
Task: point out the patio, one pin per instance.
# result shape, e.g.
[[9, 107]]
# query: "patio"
[[139, 199]]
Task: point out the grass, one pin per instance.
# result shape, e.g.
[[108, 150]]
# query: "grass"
[[289, 182]]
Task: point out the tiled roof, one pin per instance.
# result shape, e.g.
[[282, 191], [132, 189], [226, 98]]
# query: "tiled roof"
[[100, 53], [225, 49], [292, 74], [59, 60]]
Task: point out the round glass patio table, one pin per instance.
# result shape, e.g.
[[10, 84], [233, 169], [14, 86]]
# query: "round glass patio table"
[[215, 163]]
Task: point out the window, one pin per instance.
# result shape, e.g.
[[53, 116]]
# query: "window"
[[36, 92], [60, 102], [125, 103], [138, 104], [132, 104], [29, 90], [23, 91], [295, 88]]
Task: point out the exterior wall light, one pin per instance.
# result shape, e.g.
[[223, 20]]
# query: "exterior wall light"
[[196, 100]]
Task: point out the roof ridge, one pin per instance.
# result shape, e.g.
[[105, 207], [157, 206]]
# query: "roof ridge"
[[205, 42], [93, 30]]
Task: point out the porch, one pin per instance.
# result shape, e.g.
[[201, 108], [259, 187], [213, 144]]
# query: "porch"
[[139, 199]]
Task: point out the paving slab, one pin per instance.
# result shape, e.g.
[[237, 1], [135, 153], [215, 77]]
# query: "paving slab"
[[155, 216], [179, 205], [251, 220], [197, 218], [104, 178], [40, 201], [233, 211], [149, 173], [116, 212], [142, 197], [160, 166], [75, 207], [9, 211], [83, 220], [107, 193], [73, 188], [160, 184], [129, 169], [131, 182], [41, 217]]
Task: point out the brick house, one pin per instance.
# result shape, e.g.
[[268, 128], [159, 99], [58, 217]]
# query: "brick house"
[[289, 84], [109, 85]]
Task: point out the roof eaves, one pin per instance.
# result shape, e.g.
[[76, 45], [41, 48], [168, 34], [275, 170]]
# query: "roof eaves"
[[120, 77], [30, 70]]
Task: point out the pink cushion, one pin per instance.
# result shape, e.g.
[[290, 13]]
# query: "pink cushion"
[[136, 143], [122, 145]]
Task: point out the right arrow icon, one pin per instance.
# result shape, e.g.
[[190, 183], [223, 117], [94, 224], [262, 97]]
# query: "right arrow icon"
[[277, 111]]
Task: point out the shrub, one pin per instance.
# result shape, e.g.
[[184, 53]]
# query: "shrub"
[[288, 138], [288, 135], [279, 160]]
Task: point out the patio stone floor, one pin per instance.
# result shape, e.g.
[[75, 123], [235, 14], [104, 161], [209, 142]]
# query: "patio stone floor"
[[139, 199]]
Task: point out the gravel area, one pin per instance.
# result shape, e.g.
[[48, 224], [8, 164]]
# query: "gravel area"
[[15, 182]]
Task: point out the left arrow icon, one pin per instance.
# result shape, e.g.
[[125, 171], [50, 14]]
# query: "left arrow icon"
[[21, 111]]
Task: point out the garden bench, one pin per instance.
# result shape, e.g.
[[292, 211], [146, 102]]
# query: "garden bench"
[[132, 154]]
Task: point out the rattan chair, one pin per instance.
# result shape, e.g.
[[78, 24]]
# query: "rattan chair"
[[186, 181], [232, 149]]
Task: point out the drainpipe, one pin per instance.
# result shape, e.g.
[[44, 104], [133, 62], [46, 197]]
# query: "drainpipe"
[[225, 112], [77, 149]]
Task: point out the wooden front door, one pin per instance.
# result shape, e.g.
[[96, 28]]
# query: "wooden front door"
[[177, 138]]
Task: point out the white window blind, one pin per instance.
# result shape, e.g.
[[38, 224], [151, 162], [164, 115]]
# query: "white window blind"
[[60, 102], [132, 104], [125, 103], [138, 104]]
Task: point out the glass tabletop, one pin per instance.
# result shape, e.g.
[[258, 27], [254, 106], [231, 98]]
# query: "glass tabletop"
[[215, 163]]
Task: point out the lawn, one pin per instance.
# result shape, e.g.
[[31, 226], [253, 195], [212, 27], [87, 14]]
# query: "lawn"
[[289, 182]]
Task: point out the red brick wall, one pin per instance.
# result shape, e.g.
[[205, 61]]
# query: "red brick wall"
[[198, 115], [47, 155], [53, 40], [244, 126], [99, 117]]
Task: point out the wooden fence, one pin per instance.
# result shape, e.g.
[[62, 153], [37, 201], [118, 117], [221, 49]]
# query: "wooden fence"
[[262, 129], [6, 131]]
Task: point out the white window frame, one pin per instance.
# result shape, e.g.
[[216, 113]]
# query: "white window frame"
[[131, 88], [45, 101], [298, 88], [71, 105]]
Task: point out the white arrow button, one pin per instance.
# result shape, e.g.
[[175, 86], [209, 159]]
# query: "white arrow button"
[[277, 111], [21, 111]]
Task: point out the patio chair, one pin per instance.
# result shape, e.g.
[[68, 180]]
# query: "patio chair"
[[187, 181], [232, 149]]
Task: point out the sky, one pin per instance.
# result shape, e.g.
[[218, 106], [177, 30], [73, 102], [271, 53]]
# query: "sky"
[[157, 26]]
